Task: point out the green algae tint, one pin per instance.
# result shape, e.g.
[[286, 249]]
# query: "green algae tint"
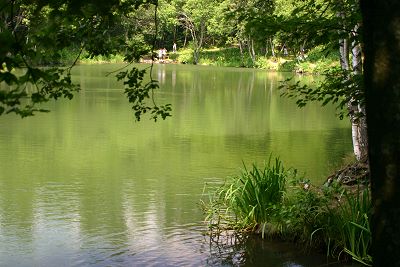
[[84, 185]]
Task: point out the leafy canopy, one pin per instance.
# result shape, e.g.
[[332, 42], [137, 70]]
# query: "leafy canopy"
[[34, 33]]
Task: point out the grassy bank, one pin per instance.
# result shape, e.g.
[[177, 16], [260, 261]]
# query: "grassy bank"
[[68, 56], [315, 61], [275, 202], [85, 59]]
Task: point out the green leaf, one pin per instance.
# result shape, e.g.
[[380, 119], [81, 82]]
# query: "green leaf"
[[8, 78]]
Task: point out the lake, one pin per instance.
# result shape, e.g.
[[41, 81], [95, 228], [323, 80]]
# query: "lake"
[[86, 185]]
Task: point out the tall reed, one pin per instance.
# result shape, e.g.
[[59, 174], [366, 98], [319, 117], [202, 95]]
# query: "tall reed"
[[247, 201], [349, 226], [259, 200]]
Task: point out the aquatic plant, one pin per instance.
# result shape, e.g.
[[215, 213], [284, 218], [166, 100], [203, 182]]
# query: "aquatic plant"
[[248, 201], [336, 218], [262, 200], [349, 225]]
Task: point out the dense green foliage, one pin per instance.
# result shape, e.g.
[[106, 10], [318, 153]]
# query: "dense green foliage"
[[317, 62], [278, 35], [275, 202], [35, 34]]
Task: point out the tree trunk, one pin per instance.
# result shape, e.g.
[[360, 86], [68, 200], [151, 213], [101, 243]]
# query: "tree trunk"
[[344, 54], [253, 53], [197, 39], [358, 125], [250, 46], [382, 81], [195, 46], [195, 51], [195, 56], [358, 130], [344, 41], [175, 34], [356, 109], [184, 42], [241, 53], [302, 49], [356, 54], [272, 47]]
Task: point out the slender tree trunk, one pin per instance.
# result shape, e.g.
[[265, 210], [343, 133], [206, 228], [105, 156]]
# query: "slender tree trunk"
[[184, 42], [196, 48], [250, 46], [195, 56], [241, 52], [272, 47], [358, 130], [175, 34], [344, 41], [253, 53], [382, 80], [344, 54], [197, 40], [357, 110], [302, 47]]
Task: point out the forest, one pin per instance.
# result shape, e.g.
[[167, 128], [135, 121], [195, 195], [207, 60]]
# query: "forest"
[[353, 44]]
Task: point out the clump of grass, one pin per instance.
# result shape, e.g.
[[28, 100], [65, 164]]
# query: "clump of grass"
[[247, 201], [335, 218], [262, 200], [348, 225], [299, 215], [174, 56]]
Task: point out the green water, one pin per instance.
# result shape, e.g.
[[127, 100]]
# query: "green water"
[[85, 185]]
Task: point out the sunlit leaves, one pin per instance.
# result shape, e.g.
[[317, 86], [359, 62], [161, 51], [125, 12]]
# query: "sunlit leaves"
[[8, 77], [138, 92], [338, 87], [136, 48], [33, 88], [34, 33]]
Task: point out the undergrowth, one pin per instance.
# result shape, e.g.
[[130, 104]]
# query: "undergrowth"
[[275, 202], [316, 61]]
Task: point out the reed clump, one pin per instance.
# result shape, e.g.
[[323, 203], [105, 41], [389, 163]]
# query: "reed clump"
[[275, 202]]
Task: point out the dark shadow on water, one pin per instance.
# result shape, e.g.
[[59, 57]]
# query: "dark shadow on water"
[[229, 249]]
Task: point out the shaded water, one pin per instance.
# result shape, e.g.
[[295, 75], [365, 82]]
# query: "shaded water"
[[86, 186]]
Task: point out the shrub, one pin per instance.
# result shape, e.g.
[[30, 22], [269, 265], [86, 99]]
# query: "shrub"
[[185, 56]]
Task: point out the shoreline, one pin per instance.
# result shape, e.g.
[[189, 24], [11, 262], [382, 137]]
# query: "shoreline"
[[313, 63]]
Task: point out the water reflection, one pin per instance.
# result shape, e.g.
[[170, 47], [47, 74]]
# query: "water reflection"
[[161, 73], [84, 185], [229, 249]]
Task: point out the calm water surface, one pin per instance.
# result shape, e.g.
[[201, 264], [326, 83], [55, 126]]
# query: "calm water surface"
[[86, 186]]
